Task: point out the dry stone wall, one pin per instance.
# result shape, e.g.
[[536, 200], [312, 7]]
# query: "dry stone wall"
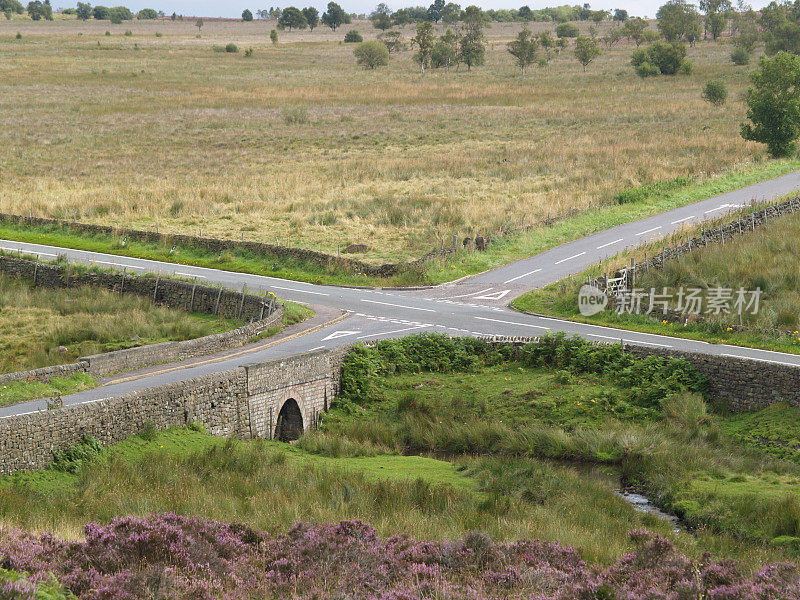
[[245, 402], [175, 294]]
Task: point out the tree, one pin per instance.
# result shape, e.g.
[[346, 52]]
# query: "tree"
[[292, 18], [677, 20], [334, 16], [401, 17], [716, 16], [586, 50], [352, 37], [199, 24], [781, 23], [381, 17], [621, 15], [746, 31], [38, 10], [100, 13], [118, 14], [567, 30], [634, 29], [660, 58], [435, 11], [424, 42], [273, 36], [392, 40], [262, 13], [147, 14], [525, 13], [247, 15], [451, 13], [472, 45], [11, 6], [774, 105], [715, 92], [371, 54], [523, 49], [312, 17], [83, 11], [445, 51]]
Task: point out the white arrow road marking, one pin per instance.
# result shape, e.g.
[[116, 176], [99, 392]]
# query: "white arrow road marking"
[[570, 258], [467, 295], [338, 334], [521, 276], [397, 305], [721, 207], [363, 337], [609, 244], [682, 220], [494, 296], [513, 323]]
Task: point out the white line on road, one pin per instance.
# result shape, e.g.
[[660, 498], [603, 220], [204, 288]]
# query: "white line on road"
[[396, 305], [317, 348], [605, 337], [362, 337], [570, 258], [521, 276], [300, 291], [189, 275], [682, 220], [649, 230], [513, 323], [609, 244], [776, 362], [648, 343]]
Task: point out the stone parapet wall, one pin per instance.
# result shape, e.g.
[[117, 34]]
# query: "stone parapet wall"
[[175, 294]]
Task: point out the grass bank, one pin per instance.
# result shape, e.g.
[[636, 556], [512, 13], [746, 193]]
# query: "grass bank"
[[764, 260]]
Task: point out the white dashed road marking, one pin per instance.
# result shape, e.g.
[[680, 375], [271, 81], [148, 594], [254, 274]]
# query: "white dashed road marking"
[[569, 258], [521, 276], [398, 305], [609, 244]]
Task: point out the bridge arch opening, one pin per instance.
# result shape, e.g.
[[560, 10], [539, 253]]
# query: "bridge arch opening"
[[290, 422]]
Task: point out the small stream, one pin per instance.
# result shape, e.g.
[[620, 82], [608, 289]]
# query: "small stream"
[[642, 504]]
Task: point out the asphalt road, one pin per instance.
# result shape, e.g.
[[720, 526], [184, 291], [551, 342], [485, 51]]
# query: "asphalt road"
[[476, 306]]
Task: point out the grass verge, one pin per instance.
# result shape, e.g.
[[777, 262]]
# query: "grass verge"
[[22, 391]]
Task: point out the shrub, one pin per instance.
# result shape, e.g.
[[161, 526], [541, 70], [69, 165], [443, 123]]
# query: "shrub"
[[128, 33], [108, 34], [18, 36], [159, 34], [352, 37], [273, 36], [686, 68], [668, 58], [567, 30], [231, 47], [248, 52], [740, 56], [371, 54], [715, 92], [295, 116]]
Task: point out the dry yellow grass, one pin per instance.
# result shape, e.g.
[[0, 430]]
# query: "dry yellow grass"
[[142, 128]]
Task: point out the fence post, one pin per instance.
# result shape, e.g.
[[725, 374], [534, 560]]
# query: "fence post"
[[122, 285], [35, 270], [155, 289], [263, 304], [455, 242], [216, 305], [241, 303], [191, 302], [67, 274]]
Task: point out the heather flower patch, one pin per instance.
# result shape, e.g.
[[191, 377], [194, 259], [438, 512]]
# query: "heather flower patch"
[[169, 556]]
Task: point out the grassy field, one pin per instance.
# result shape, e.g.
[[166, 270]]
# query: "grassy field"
[[766, 259], [297, 142], [41, 327]]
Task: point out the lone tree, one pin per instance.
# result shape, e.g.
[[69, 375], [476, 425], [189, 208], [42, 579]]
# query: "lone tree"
[[381, 17], [199, 24], [372, 54], [334, 16], [292, 18], [84, 11], [445, 51], [312, 17], [523, 49], [774, 105], [38, 10], [147, 14], [679, 20], [472, 45], [273, 36], [715, 92], [586, 50], [716, 16], [424, 42], [247, 15]]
